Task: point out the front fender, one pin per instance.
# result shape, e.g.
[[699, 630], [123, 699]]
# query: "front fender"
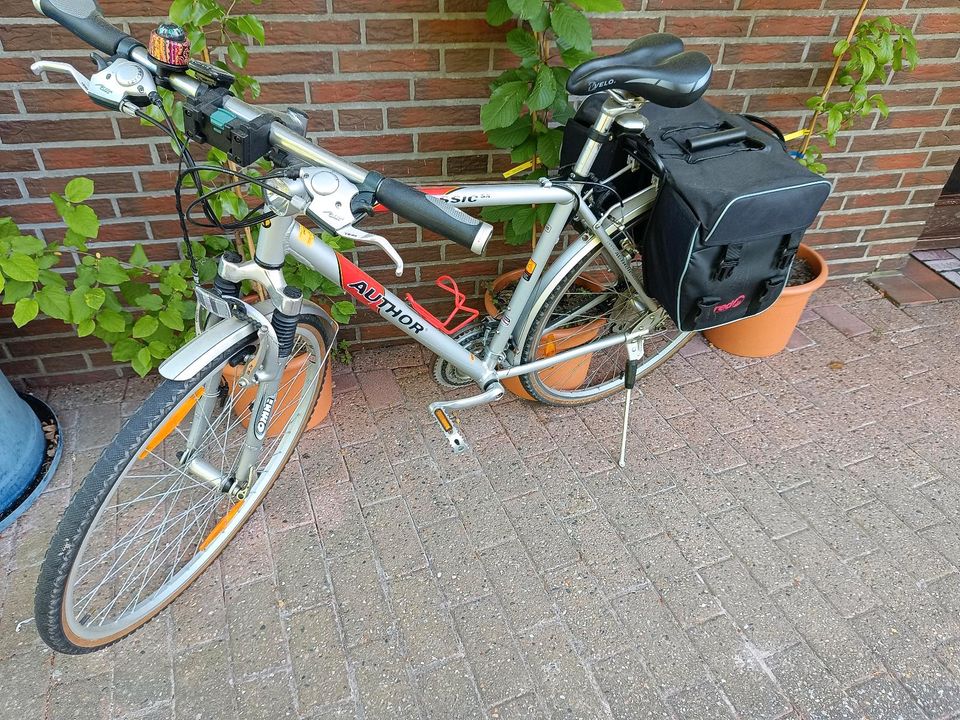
[[193, 357]]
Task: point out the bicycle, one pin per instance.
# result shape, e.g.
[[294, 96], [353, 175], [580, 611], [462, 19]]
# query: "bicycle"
[[189, 467]]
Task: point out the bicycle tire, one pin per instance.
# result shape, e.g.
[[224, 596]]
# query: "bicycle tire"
[[103, 479], [543, 385]]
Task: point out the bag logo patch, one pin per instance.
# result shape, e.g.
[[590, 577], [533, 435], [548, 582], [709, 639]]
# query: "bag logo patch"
[[730, 305]]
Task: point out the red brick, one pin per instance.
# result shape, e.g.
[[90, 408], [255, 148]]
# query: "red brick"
[[427, 116], [703, 26], [781, 26], [352, 61]]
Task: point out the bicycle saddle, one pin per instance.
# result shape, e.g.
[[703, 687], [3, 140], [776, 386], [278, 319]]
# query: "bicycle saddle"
[[655, 67]]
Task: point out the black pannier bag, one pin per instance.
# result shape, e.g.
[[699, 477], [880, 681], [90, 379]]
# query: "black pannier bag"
[[732, 210]]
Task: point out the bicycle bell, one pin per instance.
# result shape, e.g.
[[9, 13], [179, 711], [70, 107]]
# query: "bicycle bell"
[[169, 47]]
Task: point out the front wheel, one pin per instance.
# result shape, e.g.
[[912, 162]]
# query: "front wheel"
[[146, 522], [593, 301]]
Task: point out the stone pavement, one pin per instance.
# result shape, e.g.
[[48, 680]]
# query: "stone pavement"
[[784, 544]]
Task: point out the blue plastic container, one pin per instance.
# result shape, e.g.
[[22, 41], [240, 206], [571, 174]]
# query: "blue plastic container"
[[22, 447]]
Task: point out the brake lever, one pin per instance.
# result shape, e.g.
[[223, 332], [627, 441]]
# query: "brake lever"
[[358, 235], [50, 66]]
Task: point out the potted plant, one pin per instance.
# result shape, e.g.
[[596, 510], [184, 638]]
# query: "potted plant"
[[769, 332], [567, 375], [865, 57], [143, 310]]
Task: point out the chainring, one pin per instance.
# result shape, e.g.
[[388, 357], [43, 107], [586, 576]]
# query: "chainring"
[[472, 338]]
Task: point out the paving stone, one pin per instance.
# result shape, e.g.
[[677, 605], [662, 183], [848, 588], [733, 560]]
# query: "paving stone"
[[352, 420], [703, 702], [926, 679], [359, 600], [596, 630], [423, 618], [424, 490], [525, 707], [394, 537], [883, 697], [287, 504], [622, 505], [839, 530], [449, 693], [700, 484], [370, 473], [383, 686], [564, 682], [491, 651], [242, 561], [267, 698], [401, 435], [301, 570], [579, 445], [764, 503], [751, 609], [629, 689], [504, 467], [480, 509], [600, 546], [672, 660], [256, 637], [844, 321], [29, 673], [563, 488], [454, 562], [380, 389], [142, 675], [542, 535], [319, 662], [681, 587], [522, 425], [810, 686], [201, 678], [741, 669], [694, 534], [833, 640], [85, 700], [516, 581]]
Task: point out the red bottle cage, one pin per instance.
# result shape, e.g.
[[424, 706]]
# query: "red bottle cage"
[[445, 282]]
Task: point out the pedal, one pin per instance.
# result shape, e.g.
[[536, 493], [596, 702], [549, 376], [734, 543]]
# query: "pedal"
[[457, 442]]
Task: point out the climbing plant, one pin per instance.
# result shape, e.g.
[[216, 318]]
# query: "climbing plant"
[[528, 101], [872, 50]]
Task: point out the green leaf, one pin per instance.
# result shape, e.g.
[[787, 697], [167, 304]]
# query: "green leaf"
[[159, 350], [24, 311], [238, 54], [27, 244], [132, 291], [111, 321], [111, 272], [573, 27], [250, 25], [504, 106], [544, 90], [86, 327], [3, 283], [526, 9], [79, 310], [548, 147], [145, 326], [498, 12], [82, 220], [513, 135], [522, 43], [181, 11], [126, 349], [343, 311], [149, 301], [94, 298], [78, 189], [8, 228], [138, 258], [20, 267], [59, 203], [573, 58], [13, 290], [75, 240], [143, 362], [171, 318]]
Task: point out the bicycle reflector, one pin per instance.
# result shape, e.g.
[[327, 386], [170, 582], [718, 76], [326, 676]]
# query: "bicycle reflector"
[[170, 47]]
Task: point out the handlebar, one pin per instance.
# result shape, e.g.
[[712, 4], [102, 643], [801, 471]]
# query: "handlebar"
[[84, 18]]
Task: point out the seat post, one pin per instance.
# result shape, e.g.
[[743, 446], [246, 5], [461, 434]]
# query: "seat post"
[[616, 105]]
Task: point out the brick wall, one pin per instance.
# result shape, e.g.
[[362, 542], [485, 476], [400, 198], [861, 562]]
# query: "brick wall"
[[397, 86]]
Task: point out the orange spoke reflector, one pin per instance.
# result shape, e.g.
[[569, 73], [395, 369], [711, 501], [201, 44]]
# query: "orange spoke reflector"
[[171, 423], [224, 521]]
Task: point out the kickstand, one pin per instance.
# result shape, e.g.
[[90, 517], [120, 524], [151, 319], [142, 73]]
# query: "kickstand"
[[634, 355]]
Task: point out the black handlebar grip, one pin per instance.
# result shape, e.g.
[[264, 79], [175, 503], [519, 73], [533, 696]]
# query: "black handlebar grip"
[[85, 19], [716, 139], [433, 214]]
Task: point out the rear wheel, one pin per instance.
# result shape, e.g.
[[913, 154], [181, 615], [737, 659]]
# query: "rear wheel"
[[591, 302], [144, 525]]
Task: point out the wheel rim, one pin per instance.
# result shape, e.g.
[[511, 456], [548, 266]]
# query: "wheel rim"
[[156, 531], [594, 304]]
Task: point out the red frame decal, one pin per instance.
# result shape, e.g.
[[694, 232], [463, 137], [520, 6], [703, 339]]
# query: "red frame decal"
[[359, 285]]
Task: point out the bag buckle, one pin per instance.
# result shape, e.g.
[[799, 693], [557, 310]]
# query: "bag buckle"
[[728, 263]]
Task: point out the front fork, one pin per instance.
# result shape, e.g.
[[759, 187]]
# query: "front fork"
[[265, 369]]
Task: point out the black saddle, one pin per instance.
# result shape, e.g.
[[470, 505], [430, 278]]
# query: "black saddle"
[[655, 67]]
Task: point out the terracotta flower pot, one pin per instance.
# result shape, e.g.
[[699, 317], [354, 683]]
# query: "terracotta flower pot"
[[567, 375], [769, 332], [245, 396]]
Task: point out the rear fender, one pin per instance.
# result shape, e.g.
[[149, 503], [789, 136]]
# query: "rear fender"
[[193, 357]]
